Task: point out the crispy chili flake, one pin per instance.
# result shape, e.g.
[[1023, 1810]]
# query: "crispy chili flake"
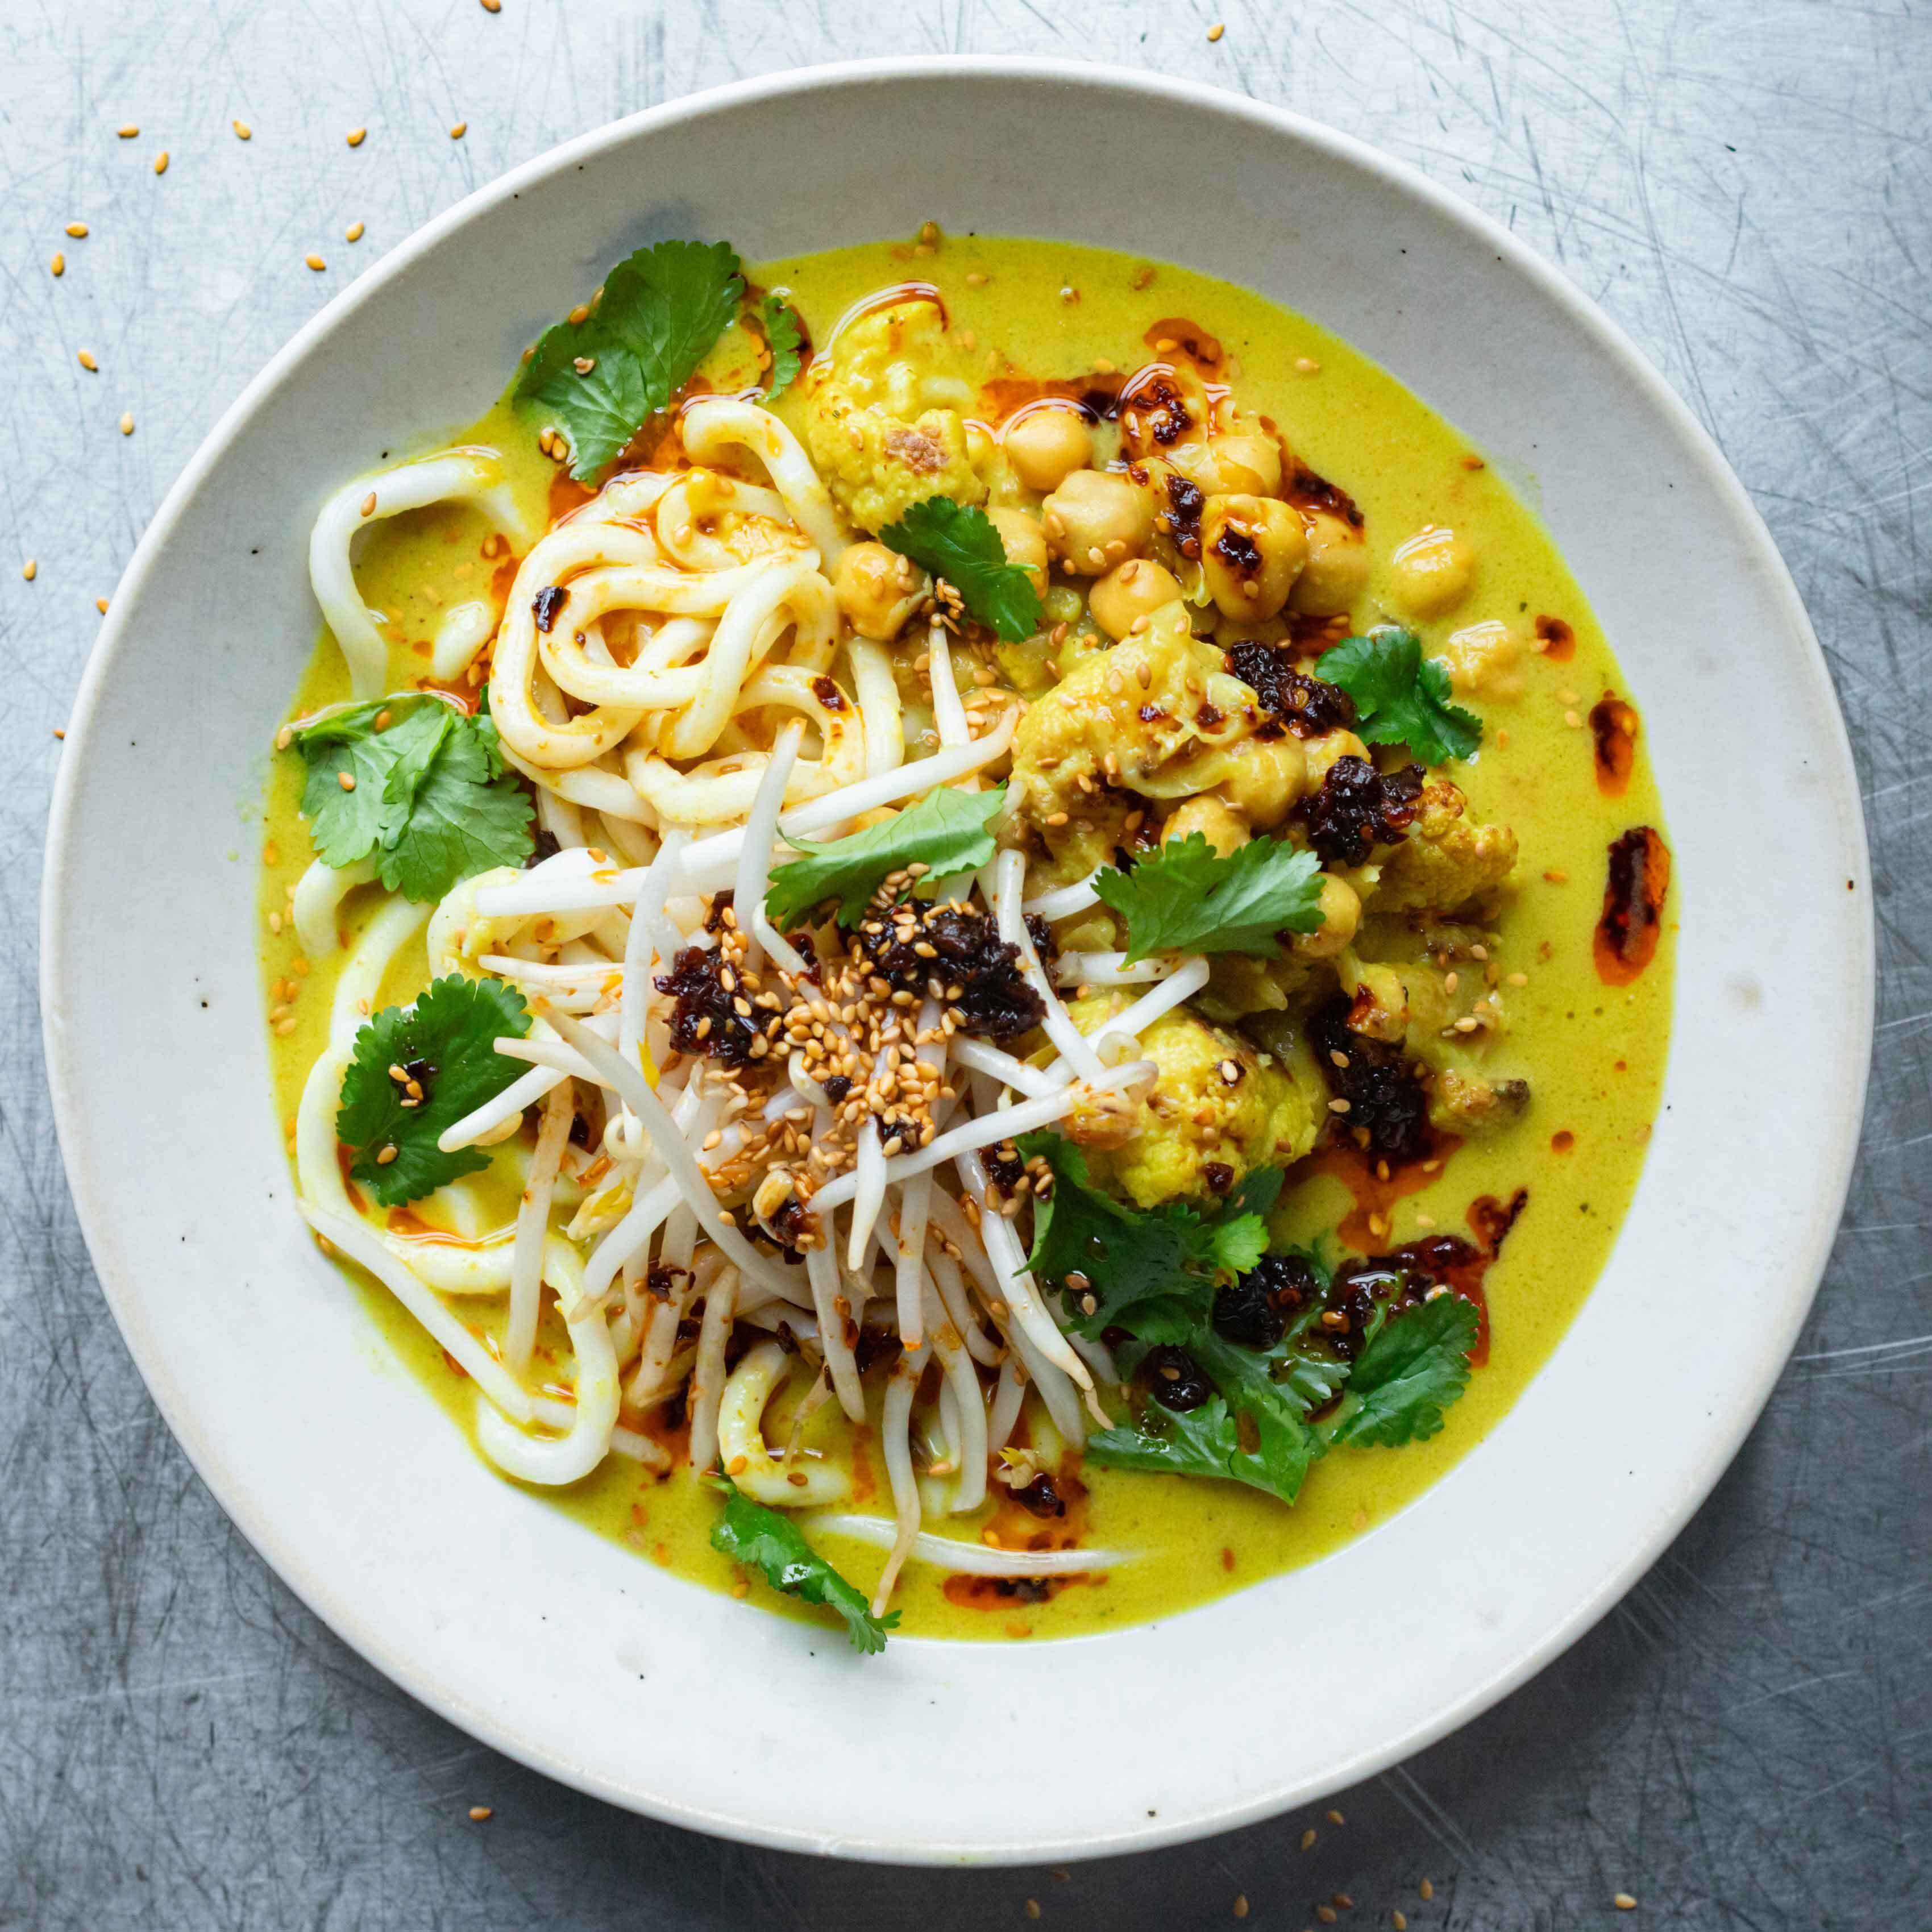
[[1040, 1498], [1307, 491], [1357, 809], [1613, 727], [837, 1086], [1004, 1166], [1184, 505], [547, 603], [963, 948], [543, 845], [1387, 1101], [874, 1345], [693, 982], [1311, 707], [1633, 894]]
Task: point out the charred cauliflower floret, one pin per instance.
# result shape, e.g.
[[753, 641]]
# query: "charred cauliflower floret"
[[1446, 859], [1216, 1113], [1468, 1105], [884, 421], [1159, 716]]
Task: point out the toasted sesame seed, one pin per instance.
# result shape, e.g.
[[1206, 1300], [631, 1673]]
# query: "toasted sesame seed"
[[1399, 1921], [356, 137], [30, 569], [127, 130], [161, 162], [461, 128], [347, 780], [100, 604], [1426, 1890], [385, 1154], [491, 6], [127, 422], [316, 262], [1240, 1898], [481, 1814], [59, 733], [77, 228], [1033, 1908], [1341, 1898], [369, 504], [1307, 1838], [1624, 1902], [85, 358], [1215, 32], [1306, 365], [353, 232], [243, 132], [1338, 1106], [58, 266], [1556, 878], [1326, 1913]]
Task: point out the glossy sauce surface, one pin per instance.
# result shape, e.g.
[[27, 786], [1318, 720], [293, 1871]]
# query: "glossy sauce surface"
[[1593, 1050]]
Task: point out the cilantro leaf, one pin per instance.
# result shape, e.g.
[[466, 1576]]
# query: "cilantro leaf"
[[429, 798], [753, 1534], [946, 831], [1185, 897], [1257, 1442], [1149, 1270], [661, 310], [1409, 1373], [960, 545], [785, 336], [1400, 698], [441, 1042]]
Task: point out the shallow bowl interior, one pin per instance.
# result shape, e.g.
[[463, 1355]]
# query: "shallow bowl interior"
[[574, 1654]]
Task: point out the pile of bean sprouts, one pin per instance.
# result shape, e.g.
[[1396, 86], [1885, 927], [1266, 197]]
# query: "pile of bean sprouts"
[[699, 698]]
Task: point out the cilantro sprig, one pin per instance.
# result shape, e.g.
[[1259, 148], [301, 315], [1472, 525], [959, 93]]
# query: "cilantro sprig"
[[1145, 1268], [959, 543], [785, 336], [1416, 1366], [1401, 697], [752, 1534], [946, 831], [1185, 897], [1147, 1279], [427, 794], [662, 310], [442, 1046]]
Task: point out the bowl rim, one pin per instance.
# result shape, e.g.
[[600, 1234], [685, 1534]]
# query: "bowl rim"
[[281, 1551]]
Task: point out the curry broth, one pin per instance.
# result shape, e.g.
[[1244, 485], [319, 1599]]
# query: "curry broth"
[[1594, 1053]]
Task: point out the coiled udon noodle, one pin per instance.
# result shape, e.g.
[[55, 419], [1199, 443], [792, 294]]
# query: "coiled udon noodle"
[[672, 674]]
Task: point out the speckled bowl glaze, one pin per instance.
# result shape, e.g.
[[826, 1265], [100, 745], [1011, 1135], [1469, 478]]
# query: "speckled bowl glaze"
[[569, 1652]]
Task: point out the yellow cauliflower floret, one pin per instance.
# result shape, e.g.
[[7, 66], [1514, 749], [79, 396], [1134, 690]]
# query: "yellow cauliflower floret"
[[883, 422], [1446, 859], [1160, 714], [1202, 1130]]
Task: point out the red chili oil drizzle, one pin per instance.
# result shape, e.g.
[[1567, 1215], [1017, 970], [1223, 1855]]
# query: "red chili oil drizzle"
[[1176, 335], [1613, 725], [1003, 398], [463, 695], [1057, 1520], [345, 1159], [1308, 492], [1433, 1260], [566, 495], [1378, 1185], [1633, 895], [1558, 640]]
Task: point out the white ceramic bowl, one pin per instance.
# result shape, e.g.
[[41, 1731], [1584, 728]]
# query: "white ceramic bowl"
[[569, 1652]]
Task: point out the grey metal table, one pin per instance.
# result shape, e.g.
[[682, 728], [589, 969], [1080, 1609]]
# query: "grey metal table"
[[1746, 1741]]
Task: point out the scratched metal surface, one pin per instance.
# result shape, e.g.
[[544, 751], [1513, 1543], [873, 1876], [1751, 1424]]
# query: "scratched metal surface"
[[1747, 1741]]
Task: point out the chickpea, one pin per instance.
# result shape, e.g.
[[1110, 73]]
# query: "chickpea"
[[1252, 550], [1432, 571], [877, 590], [1096, 519], [1025, 541], [1337, 572], [1484, 658], [1341, 914], [1322, 752], [1129, 591], [1211, 818], [1247, 461], [1046, 444]]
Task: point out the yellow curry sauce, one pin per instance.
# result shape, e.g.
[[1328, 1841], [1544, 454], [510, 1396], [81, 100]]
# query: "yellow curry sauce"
[[1562, 762]]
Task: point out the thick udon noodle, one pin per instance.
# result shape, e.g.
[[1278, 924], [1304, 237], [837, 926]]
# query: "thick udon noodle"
[[689, 694]]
